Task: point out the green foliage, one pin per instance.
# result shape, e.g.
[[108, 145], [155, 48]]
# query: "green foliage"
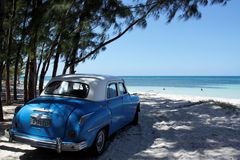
[[78, 30], [83, 27]]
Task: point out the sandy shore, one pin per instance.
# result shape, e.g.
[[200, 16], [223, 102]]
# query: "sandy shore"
[[170, 128], [230, 101]]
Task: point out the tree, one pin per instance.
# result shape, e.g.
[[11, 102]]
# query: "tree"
[[144, 9], [9, 51], [37, 32], [20, 45], [2, 16], [26, 81]]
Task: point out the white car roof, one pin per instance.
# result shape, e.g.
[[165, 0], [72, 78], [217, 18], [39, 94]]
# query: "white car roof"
[[97, 83], [95, 76]]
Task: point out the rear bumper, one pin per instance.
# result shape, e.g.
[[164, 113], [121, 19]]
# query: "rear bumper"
[[56, 144]]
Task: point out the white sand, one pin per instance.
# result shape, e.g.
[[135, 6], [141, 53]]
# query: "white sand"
[[191, 98], [168, 129]]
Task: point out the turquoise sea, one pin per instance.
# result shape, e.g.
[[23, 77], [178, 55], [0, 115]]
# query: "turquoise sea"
[[207, 86]]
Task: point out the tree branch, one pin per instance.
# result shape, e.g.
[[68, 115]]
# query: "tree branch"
[[113, 39]]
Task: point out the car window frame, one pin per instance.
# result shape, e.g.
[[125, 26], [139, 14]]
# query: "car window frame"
[[116, 85], [60, 95], [123, 84]]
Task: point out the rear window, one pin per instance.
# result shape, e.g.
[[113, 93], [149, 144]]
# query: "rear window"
[[67, 88]]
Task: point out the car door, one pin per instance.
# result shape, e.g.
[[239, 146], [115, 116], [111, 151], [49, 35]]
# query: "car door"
[[127, 108], [114, 103]]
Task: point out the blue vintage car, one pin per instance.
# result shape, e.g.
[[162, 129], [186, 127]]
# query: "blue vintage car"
[[75, 112]]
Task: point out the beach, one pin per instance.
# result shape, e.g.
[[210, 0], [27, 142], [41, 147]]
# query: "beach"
[[170, 127], [124, 80]]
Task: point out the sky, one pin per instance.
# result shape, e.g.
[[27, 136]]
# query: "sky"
[[206, 47]]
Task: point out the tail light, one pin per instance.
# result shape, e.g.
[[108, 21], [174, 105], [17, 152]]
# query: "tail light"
[[72, 134]]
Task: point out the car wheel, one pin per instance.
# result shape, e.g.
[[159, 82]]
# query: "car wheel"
[[99, 143], [135, 119]]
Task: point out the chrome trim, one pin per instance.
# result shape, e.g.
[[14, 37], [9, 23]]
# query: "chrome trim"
[[86, 115], [57, 144], [40, 116], [43, 110], [84, 118]]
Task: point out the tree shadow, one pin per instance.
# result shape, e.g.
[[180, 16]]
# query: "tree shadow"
[[13, 149], [3, 126], [171, 128], [40, 154], [168, 129]]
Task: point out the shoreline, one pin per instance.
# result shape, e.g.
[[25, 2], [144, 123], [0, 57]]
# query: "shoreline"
[[175, 93], [191, 98], [171, 93], [156, 94]]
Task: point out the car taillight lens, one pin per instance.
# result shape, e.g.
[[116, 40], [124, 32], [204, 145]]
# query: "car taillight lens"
[[71, 134]]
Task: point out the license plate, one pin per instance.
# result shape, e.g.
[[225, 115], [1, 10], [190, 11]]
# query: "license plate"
[[40, 122]]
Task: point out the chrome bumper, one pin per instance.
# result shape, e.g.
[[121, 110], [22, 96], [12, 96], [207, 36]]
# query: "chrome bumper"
[[56, 144]]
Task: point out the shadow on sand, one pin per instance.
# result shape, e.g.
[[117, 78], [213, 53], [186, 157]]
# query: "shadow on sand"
[[167, 130]]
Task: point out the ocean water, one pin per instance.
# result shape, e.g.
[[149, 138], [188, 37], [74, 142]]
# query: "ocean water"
[[206, 86]]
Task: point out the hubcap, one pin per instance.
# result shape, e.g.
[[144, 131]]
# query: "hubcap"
[[100, 141]]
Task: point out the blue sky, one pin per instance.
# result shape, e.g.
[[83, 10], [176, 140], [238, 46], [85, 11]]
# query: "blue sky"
[[209, 46]]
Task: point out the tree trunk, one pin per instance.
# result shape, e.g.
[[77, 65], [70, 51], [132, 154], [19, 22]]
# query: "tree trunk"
[[32, 66], [46, 63], [56, 60], [2, 15], [38, 68], [32, 77], [73, 53], [1, 109], [72, 68], [41, 77], [43, 73], [16, 76], [18, 56], [65, 66], [9, 53], [33, 48], [73, 59], [26, 81], [8, 95]]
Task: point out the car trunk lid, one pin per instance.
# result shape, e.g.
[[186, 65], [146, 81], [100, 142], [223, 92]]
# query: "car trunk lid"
[[46, 116]]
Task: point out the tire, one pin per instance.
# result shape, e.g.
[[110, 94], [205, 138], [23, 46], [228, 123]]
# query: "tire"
[[135, 119], [99, 143]]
